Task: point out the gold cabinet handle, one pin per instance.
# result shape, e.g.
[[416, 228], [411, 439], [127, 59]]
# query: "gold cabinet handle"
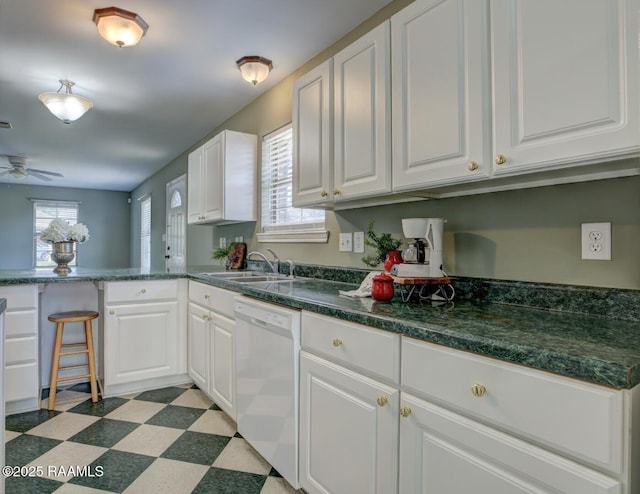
[[478, 390], [501, 159], [472, 166], [405, 411], [382, 400], [112, 312], [324, 193], [336, 192], [337, 342]]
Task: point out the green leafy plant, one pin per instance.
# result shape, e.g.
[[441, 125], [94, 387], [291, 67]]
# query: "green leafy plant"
[[223, 252], [382, 243]]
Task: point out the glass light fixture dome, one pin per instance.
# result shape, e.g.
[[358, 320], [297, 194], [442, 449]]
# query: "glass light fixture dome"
[[254, 69], [66, 105], [120, 27]]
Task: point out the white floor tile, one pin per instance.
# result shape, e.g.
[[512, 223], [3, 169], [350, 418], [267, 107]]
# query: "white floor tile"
[[239, 455], [9, 435], [67, 454], [214, 422], [63, 426], [78, 489], [136, 411], [168, 477], [150, 440], [65, 400], [193, 398]]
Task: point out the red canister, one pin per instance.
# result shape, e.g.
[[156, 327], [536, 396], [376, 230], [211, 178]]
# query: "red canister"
[[382, 289]]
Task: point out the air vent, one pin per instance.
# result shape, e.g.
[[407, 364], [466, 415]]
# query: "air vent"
[[5, 125]]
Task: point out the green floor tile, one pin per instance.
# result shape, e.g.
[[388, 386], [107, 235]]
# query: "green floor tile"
[[176, 417], [25, 448], [99, 409], [223, 481], [164, 395], [31, 485], [196, 447], [104, 432], [22, 422]]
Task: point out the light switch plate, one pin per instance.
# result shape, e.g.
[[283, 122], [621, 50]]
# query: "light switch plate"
[[358, 242], [346, 242]]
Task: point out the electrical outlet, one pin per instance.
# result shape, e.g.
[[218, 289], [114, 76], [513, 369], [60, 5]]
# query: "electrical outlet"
[[596, 241], [346, 242], [358, 242], [222, 242]]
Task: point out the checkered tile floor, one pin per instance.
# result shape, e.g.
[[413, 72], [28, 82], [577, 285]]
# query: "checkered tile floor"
[[172, 440]]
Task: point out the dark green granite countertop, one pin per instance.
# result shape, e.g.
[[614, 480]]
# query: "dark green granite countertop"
[[3, 305], [600, 350]]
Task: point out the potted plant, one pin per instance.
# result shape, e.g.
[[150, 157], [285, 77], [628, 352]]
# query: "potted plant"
[[383, 244]]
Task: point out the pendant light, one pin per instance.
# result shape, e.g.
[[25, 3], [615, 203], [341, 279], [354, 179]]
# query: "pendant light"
[[66, 105], [120, 27], [254, 69]]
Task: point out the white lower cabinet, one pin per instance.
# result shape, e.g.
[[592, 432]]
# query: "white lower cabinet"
[[144, 335], [453, 421], [442, 452], [211, 344], [21, 345]]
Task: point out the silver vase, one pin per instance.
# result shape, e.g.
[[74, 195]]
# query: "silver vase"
[[62, 254]]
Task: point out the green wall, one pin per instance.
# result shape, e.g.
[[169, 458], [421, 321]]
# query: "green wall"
[[105, 213], [528, 235]]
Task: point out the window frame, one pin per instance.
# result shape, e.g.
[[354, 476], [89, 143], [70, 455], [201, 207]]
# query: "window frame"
[[145, 232], [58, 206], [313, 231]]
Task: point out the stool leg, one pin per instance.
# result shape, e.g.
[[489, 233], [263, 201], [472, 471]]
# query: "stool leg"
[[55, 364], [92, 362]]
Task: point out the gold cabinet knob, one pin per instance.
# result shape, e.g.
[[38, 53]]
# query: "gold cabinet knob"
[[405, 411], [206, 296], [336, 192], [501, 159], [472, 166], [143, 290], [324, 193], [337, 342], [478, 390], [112, 312], [382, 400]]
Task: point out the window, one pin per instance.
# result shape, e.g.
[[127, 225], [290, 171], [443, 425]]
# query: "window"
[[43, 213], [281, 222], [145, 233]]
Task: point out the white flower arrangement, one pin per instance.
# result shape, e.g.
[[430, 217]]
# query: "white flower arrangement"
[[60, 230]]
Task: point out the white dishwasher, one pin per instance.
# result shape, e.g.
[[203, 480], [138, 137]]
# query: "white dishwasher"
[[267, 378]]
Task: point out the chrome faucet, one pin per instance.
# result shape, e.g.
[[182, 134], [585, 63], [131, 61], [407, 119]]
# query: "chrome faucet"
[[292, 266], [273, 265]]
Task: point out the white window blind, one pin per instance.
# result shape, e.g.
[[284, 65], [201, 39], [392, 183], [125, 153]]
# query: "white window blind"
[[278, 214], [43, 213], [145, 233]]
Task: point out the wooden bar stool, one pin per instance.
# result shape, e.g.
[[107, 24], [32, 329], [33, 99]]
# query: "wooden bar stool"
[[60, 319]]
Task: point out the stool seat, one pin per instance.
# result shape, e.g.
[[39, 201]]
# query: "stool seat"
[[60, 318], [73, 316]]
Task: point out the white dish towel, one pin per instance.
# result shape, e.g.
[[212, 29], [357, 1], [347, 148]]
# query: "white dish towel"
[[365, 288]]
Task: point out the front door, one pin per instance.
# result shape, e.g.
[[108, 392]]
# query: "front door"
[[175, 258]]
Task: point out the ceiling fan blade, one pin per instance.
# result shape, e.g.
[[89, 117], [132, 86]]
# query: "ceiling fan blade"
[[6, 167], [55, 174], [2, 174], [39, 175]]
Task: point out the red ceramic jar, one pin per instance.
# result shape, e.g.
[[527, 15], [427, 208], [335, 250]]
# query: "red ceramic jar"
[[382, 289], [393, 257]]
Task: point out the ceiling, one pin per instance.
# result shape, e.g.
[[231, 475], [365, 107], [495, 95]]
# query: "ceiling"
[[152, 101]]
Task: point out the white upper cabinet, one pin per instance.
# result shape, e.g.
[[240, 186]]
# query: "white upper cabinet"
[[559, 89], [312, 142], [565, 82], [362, 137], [341, 125], [441, 125], [222, 185]]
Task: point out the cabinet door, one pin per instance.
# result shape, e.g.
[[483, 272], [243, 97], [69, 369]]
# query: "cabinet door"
[[312, 153], [362, 120], [194, 187], [444, 452], [213, 178], [441, 125], [222, 385], [348, 441], [565, 82], [197, 345], [141, 342]]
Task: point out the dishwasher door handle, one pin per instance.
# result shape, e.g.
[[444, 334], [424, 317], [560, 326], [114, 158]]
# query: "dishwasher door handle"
[[258, 322]]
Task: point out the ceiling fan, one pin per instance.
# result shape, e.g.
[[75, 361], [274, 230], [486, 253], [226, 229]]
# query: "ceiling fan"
[[19, 170]]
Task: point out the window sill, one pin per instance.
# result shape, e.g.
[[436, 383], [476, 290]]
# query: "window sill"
[[295, 236]]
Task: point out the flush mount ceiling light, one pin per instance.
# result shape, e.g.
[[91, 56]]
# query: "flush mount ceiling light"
[[120, 27], [66, 105], [254, 69]]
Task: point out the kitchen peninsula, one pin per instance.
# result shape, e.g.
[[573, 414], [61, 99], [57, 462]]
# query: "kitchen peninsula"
[[582, 344]]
